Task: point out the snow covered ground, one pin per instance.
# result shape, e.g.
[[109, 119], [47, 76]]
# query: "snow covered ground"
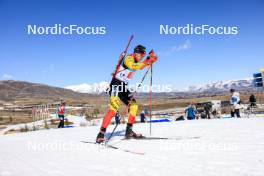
[[227, 147]]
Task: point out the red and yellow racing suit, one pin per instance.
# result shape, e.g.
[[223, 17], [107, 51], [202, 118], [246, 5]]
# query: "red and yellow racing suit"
[[118, 90]]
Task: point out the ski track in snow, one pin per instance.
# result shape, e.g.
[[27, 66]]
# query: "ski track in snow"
[[220, 147]]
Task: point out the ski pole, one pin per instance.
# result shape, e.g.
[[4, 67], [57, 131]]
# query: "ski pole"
[[112, 132], [117, 123], [150, 98]]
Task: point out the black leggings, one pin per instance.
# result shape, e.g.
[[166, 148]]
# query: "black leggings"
[[120, 89], [237, 112], [61, 124]]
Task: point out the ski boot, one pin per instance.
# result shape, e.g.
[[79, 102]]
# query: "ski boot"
[[131, 134], [100, 137]]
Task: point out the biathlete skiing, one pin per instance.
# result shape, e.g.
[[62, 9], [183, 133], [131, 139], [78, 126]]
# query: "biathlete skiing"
[[118, 90]]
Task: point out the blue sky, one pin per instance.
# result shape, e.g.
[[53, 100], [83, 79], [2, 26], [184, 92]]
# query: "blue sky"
[[62, 60]]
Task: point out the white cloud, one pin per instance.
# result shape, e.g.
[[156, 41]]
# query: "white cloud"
[[7, 76], [95, 88], [49, 68], [186, 45]]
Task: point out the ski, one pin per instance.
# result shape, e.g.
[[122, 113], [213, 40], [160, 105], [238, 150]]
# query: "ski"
[[114, 147], [146, 138], [161, 138]]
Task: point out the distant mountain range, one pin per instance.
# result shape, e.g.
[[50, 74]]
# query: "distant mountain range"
[[220, 86], [11, 90]]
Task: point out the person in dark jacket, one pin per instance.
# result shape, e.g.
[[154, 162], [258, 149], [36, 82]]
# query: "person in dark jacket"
[[252, 100], [142, 117], [207, 109]]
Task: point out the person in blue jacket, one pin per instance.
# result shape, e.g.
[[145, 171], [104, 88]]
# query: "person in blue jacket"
[[191, 112]]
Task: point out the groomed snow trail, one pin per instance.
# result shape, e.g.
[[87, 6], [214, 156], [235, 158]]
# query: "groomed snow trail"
[[220, 147]]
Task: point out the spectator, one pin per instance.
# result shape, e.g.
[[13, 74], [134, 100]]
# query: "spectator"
[[202, 115], [61, 114], [191, 112], [207, 109], [117, 118], [252, 100], [142, 116], [235, 103]]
